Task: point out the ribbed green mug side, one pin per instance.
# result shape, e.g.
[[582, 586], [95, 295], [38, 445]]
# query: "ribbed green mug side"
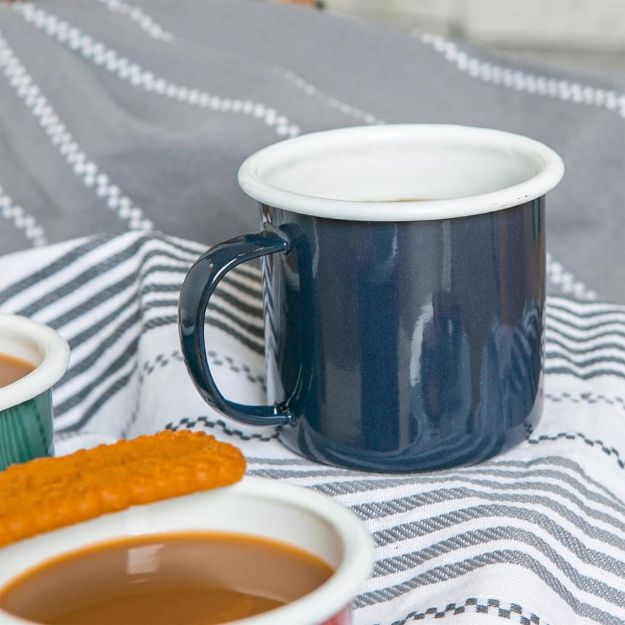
[[26, 431]]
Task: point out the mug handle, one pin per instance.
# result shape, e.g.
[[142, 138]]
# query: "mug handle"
[[198, 286]]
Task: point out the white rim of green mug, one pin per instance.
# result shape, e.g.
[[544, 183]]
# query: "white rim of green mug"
[[55, 357]]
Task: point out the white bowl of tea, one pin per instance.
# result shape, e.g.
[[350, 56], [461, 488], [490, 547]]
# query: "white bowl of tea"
[[259, 552]]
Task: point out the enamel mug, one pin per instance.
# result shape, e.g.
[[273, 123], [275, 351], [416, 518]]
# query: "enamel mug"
[[404, 291], [26, 413]]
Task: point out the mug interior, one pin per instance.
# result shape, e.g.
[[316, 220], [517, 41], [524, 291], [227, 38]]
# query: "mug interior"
[[401, 172], [255, 507], [401, 168]]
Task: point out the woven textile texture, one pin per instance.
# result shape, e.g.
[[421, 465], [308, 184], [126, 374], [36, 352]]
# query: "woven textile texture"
[[537, 535]]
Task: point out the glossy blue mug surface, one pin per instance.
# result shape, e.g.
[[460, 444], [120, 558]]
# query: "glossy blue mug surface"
[[404, 290]]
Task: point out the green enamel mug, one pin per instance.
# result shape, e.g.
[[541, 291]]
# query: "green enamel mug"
[[26, 413]]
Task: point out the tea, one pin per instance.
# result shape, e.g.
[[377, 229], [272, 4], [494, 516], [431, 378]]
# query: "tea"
[[199, 578], [13, 368]]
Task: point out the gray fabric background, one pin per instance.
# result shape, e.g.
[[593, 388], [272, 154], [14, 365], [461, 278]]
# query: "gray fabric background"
[[177, 160]]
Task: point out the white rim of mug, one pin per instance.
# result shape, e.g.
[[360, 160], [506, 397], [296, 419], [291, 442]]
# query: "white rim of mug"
[[546, 178], [333, 596], [45, 375]]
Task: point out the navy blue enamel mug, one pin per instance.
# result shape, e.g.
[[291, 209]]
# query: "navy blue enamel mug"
[[403, 288]]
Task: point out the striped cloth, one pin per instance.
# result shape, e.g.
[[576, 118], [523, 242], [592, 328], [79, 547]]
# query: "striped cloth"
[[536, 535]]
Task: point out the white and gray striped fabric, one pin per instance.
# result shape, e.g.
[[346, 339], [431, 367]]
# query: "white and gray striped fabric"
[[535, 536]]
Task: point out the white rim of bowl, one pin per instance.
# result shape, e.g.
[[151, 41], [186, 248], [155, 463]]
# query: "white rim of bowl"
[[47, 373], [354, 570], [334, 595], [545, 179]]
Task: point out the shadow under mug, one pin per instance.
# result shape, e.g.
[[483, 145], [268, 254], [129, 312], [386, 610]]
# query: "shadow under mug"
[[403, 292], [26, 413]]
